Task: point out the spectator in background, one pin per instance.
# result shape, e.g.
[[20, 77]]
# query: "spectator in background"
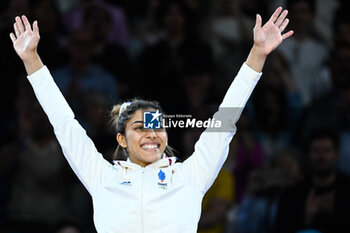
[[276, 107], [200, 12], [272, 119], [112, 57], [341, 72], [118, 33], [300, 52], [13, 8], [146, 28], [326, 11], [332, 110], [52, 31], [8, 64], [249, 155], [229, 30], [197, 80], [163, 62], [321, 201], [257, 212], [198, 99], [278, 74], [145, 31], [95, 112], [81, 76], [216, 203], [39, 186]]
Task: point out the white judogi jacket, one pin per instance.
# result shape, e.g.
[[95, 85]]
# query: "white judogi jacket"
[[163, 197]]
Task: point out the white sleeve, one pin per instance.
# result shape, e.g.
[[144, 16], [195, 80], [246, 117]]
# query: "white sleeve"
[[211, 150], [87, 163]]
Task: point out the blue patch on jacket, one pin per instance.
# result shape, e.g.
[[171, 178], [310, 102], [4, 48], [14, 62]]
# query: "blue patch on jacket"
[[161, 175]]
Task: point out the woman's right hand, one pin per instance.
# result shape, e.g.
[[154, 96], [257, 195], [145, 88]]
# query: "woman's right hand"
[[25, 40]]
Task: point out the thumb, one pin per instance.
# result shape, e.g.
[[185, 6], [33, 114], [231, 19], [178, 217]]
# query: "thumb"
[[258, 22]]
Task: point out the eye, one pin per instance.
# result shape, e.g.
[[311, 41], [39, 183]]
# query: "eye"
[[139, 128]]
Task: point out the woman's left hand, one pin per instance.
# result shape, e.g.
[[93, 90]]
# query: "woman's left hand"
[[269, 37]]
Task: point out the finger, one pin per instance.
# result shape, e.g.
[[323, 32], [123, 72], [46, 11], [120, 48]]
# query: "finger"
[[284, 25], [15, 27], [35, 27], [19, 24], [281, 18], [287, 34], [258, 22], [275, 15], [26, 23], [13, 37]]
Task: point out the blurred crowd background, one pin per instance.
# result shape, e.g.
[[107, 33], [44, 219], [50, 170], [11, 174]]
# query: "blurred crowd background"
[[289, 162]]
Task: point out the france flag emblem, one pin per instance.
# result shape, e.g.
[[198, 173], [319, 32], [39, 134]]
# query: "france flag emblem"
[[161, 175]]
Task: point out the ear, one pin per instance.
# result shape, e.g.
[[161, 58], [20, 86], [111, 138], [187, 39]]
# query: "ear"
[[122, 140]]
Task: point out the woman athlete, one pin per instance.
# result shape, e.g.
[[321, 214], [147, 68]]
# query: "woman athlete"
[[148, 192]]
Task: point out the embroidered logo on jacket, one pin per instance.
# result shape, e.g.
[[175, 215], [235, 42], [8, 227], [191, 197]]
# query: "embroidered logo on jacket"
[[161, 183], [127, 183]]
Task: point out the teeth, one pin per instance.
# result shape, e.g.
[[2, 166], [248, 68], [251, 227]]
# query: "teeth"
[[148, 146]]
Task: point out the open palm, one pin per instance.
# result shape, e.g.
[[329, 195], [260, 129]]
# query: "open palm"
[[25, 40], [269, 36]]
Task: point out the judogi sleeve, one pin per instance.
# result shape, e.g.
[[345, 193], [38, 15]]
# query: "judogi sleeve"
[[81, 153], [211, 150]]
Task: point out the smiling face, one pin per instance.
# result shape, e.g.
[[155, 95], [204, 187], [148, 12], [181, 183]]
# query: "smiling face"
[[144, 146]]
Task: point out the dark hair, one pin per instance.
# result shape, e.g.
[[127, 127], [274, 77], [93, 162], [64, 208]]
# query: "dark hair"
[[121, 116], [322, 134], [311, 3]]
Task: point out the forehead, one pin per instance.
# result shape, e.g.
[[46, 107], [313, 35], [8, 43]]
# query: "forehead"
[[138, 116]]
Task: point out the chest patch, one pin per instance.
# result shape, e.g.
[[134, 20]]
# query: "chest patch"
[[162, 184]]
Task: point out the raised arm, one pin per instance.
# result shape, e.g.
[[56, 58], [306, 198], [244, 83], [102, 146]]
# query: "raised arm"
[[77, 147], [267, 38], [211, 149]]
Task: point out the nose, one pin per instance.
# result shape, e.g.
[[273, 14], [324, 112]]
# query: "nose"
[[151, 133]]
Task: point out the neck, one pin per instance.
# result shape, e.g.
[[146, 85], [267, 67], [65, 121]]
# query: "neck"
[[138, 162]]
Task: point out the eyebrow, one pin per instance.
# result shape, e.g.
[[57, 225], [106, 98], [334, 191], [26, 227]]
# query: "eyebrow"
[[135, 122]]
